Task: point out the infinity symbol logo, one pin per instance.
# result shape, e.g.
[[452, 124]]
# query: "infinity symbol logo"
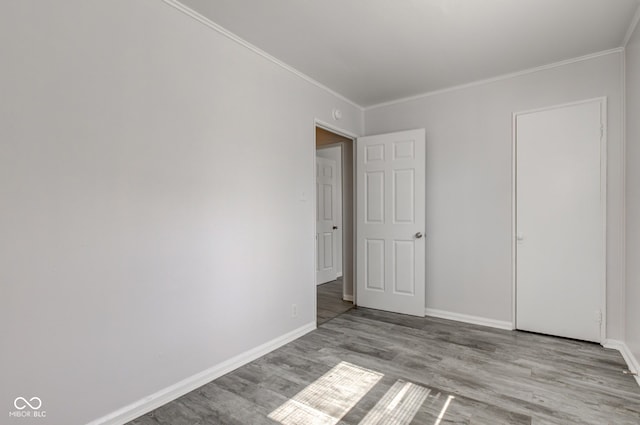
[[21, 403]]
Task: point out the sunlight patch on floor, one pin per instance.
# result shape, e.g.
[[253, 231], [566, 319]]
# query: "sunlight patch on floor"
[[444, 410], [398, 406], [329, 398]]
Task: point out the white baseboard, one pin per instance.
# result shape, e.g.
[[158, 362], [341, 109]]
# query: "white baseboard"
[[153, 401], [627, 355], [475, 320], [347, 298]]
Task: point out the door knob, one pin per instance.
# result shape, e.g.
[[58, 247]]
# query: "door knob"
[[418, 235], [335, 227]]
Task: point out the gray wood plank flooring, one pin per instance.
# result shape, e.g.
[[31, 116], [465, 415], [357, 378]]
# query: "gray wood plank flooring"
[[330, 302], [471, 375]]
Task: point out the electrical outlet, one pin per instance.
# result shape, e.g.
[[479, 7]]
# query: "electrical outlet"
[[294, 310]]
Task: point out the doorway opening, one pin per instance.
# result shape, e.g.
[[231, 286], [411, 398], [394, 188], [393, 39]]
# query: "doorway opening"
[[335, 271]]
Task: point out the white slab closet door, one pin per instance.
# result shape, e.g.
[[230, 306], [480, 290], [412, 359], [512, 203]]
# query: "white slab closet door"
[[560, 220]]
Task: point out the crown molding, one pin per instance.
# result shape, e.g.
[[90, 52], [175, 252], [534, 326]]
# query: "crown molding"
[[498, 78], [223, 31], [632, 27]]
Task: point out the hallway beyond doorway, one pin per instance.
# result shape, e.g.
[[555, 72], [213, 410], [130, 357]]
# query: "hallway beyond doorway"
[[330, 302]]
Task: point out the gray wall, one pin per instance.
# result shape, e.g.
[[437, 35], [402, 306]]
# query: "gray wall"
[[469, 140], [152, 225], [156, 186], [633, 194]]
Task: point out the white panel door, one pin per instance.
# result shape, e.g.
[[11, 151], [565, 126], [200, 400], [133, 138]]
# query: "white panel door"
[[335, 153], [560, 254], [326, 270], [391, 222]]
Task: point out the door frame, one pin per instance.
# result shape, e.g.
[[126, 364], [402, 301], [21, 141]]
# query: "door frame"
[[603, 206], [345, 133]]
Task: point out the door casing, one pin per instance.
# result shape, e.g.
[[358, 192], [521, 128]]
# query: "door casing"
[[345, 133]]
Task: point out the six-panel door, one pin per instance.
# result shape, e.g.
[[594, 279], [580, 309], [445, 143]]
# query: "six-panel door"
[[391, 222], [326, 269]]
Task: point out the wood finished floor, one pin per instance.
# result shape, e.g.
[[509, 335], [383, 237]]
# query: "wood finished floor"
[[330, 302], [489, 376]]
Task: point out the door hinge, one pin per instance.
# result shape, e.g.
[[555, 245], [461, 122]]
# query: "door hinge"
[[599, 316], [601, 131]]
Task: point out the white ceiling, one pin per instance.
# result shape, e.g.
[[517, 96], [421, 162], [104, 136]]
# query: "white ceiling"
[[374, 51]]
